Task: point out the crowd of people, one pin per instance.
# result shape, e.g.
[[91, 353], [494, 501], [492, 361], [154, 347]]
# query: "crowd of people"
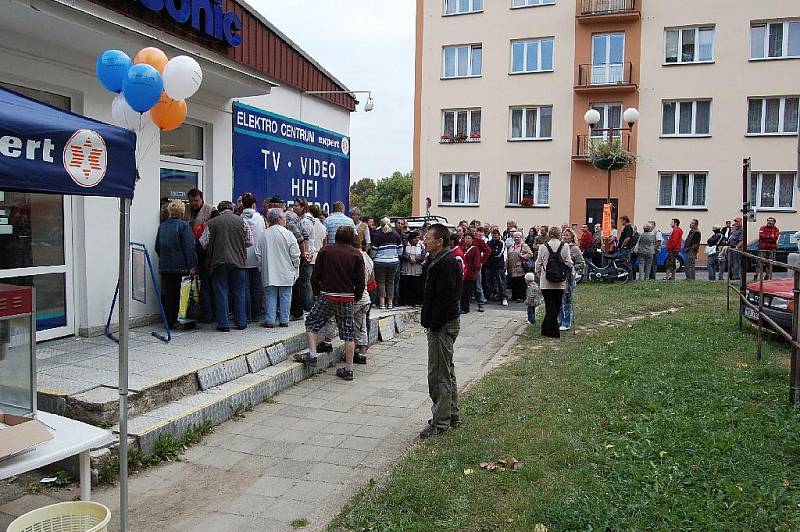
[[270, 265], [288, 262]]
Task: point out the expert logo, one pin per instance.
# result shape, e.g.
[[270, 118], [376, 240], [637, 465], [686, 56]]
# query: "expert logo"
[[86, 158]]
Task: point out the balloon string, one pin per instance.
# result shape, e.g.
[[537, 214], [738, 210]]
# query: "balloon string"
[[147, 150]]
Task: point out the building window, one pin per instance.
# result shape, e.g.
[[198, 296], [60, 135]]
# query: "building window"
[[456, 7], [688, 118], [682, 190], [461, 189], [531, 123], [532, 55], [774, 40], [461, 125], [531, 3], [608, 59], [772, 190], [610, 118], [690, 45], [772, 116], [463, 61], [529, 189]]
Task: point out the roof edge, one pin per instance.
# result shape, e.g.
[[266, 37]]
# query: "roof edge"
[[294, 45]]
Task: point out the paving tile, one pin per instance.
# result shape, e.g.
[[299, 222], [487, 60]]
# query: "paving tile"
[[336, 427], [327, 440], [295, 469], [310, 491], [220, 458], [244, 444], [287, 510], [345, 457], [330, 473], [247, 505], [271, 486], [312, 453], [360, 443]]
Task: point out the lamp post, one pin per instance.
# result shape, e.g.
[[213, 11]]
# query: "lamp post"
[[592, 118]]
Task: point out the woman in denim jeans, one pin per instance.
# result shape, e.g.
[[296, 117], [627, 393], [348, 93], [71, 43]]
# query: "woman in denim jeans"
[[565, 315]]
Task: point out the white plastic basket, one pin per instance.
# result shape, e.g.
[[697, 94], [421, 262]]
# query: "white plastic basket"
[[76, 516]]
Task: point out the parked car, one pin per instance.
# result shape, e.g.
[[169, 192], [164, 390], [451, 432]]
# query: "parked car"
[[778, 301], [786, 245], [661, 258], [415, 223]]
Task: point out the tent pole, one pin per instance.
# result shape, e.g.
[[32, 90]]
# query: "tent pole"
[[124, 295]]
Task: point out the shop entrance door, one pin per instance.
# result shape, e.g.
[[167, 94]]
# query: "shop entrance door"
[[36, 245], [177, 179], [594, 211]]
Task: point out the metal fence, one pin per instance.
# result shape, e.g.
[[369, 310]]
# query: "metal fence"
[[757, 308]]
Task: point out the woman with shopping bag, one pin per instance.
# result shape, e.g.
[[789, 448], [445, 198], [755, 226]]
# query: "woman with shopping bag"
[[176, 258]]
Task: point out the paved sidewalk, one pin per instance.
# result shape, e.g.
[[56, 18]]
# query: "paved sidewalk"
[[305, 454]]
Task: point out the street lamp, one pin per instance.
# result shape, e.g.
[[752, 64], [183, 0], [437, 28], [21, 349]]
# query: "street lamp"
[[592, 118], [369, 105]]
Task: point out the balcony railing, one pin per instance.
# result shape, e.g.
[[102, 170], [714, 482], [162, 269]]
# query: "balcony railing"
[[583, 143], [612, 74], [607, 7]]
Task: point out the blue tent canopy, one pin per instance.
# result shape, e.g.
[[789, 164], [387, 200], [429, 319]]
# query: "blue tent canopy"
[[46, 149]]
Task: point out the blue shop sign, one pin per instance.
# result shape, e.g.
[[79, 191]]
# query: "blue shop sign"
[[216, 23], [277, 155]]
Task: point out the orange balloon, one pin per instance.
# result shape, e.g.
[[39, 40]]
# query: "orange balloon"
[[168, 114], [153, 57]]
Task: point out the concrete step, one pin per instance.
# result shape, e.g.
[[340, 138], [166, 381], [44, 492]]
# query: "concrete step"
[[246, 380], [196, 379], [221, 402]]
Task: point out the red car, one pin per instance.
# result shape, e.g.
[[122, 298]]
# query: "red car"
[[778, 301]]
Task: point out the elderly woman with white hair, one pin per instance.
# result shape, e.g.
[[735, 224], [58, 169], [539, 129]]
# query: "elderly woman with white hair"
[[176, 257], [279, 262], [517, 254]]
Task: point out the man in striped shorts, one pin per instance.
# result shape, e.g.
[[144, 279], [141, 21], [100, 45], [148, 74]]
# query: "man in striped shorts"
[[338, 276]]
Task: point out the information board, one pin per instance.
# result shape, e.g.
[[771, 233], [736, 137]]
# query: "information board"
[[277, 155]]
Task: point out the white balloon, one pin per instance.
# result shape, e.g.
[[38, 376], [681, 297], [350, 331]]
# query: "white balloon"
[[182, 77], [124, 116]]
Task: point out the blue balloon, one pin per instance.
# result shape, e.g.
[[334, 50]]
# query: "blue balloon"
[[112, 67], [142, 87]]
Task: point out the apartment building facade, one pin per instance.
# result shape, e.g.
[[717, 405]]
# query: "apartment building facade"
[[502, 87]]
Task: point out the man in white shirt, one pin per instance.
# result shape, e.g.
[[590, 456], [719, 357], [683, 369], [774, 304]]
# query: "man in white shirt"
[[659, 242]]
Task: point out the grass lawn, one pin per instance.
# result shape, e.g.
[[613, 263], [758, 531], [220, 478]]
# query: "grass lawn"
[[662, 423]]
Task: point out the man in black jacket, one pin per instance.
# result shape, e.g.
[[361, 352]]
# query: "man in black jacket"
[[440, 317]]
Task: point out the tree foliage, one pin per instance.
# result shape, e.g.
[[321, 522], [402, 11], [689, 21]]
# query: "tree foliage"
[[391, 196], [360, 191]]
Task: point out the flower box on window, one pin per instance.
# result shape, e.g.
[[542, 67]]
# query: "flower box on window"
[[459, 138], [526, 202]]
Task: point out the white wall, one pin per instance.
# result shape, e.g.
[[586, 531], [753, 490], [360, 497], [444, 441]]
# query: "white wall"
[[69, 72]]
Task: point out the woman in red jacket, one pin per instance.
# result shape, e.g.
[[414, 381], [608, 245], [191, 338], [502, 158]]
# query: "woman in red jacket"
[[472, 265]]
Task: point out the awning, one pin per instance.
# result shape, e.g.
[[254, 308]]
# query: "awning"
[[46, 149]]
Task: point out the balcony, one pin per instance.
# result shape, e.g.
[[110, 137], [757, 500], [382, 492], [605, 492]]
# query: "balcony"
[[605, 11], [614, 77], [584, 142]]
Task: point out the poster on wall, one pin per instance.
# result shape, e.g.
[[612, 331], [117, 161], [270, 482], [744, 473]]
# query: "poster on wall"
[[277, 155]]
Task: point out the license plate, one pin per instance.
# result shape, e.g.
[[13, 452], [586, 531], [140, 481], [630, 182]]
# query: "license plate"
[[750, 313]]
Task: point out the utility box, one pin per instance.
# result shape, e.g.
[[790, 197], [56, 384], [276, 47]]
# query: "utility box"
[[19, 429]]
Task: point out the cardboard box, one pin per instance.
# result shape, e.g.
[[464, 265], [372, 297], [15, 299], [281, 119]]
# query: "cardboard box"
[[20, 434]]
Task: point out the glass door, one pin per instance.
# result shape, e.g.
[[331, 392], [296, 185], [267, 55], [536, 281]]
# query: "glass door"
[[608, 58], [36, 245], [177, 179]]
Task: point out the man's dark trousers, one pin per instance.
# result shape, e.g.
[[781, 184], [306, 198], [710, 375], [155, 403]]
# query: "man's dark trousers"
[[442, 385]]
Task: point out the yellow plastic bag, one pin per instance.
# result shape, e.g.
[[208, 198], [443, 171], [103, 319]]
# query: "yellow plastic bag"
[[190, 296]]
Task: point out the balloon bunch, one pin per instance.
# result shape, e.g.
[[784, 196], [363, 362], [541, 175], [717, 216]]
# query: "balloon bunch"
[[151, 86]]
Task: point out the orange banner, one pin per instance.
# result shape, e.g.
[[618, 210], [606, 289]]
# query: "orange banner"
[[606, 220]]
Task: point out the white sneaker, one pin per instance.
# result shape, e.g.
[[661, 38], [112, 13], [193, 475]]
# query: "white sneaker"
[[562, 328], [505, 302], [389, 306]]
